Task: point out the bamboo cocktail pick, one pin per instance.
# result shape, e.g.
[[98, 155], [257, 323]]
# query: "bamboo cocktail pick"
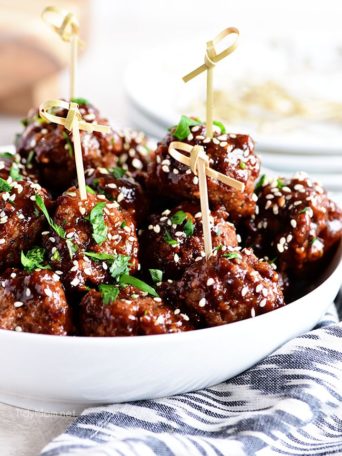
[[66, 25], [198, 162], [74, 123], [210, 60]]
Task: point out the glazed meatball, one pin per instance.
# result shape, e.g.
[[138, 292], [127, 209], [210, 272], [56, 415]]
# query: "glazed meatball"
[[119, 186], [46, 148], [20, 220], [230, 154], [173, 239], [131, 314], [296, 223], [231, 285], [34, 302], [99, 241]]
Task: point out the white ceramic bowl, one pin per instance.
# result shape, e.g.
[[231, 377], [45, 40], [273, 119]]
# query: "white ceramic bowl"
[[51, 373]]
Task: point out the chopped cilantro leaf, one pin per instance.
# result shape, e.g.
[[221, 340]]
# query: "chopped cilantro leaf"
[[280, 183], [126, 279], [182, 130], [69, 144], [4, 186], [168, 239], [178, 218], [100, 256], [231, 255], [119, 266], [96, 218], [189, 228], [118, 172], [72, 248], [14, 172], [34, 259], [6, 155], [261, 182], [58, 229], [90, 190], [156, 275], [109, 293], [80, 101], [220, 125]]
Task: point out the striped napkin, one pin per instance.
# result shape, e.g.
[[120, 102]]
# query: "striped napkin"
[[288, 404]]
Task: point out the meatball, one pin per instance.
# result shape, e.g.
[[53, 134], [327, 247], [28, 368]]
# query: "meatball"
[[97, 243], [295, 222], [34, 302], [20, 220], [230, 286], [130, 314], [119, 186], [230, 154], [174, 238], [46, 148]]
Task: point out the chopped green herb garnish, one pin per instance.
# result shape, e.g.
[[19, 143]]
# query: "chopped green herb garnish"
[[34, 259], [58, 229], [313, 240], [14, 172], [156, 275], [189, 228], [72, 248], [96, 218], [69, 144], [304, 210], [182, 130], [178, 218], [168, 239], [123, 224], [80, 101], [218, 247], [100, 256], [30, 157], [6, 155], [242, 165], [109, 293], [90, 190], [24, 122], [220, 125], [119, 266], [261, 182], [4, 186], [118, 172], [56, 256], [126, 279], [280, 183], [231, 255]]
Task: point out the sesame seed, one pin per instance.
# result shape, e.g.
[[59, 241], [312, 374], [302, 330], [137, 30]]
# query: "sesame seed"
[[293, 223], [210, 282], [13, 275], [18, 328], [166, 169], [2, 241], [177, 312], [18, 304], [195, 180], [252, 312], [175, 171], [258, 288], [137, 164], [156, 229], [166, 212], [244, 291], [263, 303], [282, 240], [176, 258], [264, 292], [75, 282], [27, 292], [48, 292], [70, 235], [188, 171], [52, 239], [202, 302], [280, 248]]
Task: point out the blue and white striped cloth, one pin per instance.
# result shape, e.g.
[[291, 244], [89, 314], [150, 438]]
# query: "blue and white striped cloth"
[[289, 404]]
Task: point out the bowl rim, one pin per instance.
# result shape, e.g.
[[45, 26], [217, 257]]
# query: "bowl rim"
[[158, 338]]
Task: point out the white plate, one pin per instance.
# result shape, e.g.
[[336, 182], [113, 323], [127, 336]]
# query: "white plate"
[[160, 95], [67, 374]]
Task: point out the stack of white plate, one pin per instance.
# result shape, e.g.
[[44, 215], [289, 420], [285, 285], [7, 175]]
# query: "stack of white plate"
[[157, 97]]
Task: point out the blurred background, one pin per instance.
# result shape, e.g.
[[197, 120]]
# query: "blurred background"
[[283, 84]]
